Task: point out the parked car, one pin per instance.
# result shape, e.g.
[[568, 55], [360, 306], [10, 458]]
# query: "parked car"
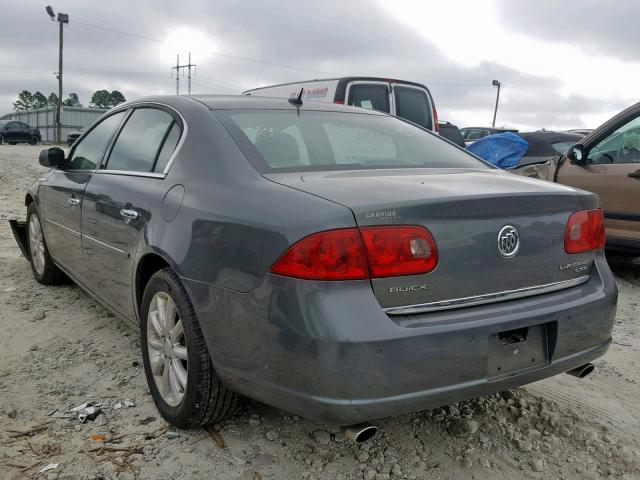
[[335, 262], [606, 162], [73, 136], [402, 98], [13, 132], [471, 134], [449, 131], [543, 145]]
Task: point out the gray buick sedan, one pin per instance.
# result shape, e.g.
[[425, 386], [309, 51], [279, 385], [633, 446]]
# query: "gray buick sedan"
[[335, 262]]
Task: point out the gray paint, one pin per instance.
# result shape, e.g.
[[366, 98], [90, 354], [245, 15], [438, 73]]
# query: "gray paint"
[[327, 350]]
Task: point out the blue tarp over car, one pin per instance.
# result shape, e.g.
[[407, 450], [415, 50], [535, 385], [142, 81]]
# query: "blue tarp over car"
[[504, 150]]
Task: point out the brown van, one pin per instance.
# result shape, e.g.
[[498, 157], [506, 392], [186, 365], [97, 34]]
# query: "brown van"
[[606, 162]]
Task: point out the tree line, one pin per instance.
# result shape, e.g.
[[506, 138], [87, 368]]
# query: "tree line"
[[100, 99]]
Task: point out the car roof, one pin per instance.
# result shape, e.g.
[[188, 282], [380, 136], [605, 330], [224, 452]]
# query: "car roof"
[[240, 102], [540, 142]]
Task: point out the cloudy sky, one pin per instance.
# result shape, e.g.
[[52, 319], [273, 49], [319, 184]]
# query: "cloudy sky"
[[565, 64]]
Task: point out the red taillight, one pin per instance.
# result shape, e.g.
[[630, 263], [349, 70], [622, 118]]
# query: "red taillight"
[[331, 255], [341, 255], [340, 102], [435, 119], [585, 231], [399, 250]]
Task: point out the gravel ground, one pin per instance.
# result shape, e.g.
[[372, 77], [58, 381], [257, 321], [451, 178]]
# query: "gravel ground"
[[60, 349]]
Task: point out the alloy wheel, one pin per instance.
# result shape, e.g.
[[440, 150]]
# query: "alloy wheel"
[[167, 349], [36, 244]]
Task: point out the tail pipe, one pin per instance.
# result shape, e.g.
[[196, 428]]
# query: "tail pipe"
[[361, 432], [582, 371]]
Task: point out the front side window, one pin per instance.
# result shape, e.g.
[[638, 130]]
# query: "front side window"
[[140, 140], [88, 154], [371, 96], [413, 104], [621, 146], [338, 141]]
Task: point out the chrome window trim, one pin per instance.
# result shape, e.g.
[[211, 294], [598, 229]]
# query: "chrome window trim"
[[486, 298], [130, 173]]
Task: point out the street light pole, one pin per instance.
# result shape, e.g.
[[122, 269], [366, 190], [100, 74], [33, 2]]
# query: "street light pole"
[[496, 83], [62, 19]]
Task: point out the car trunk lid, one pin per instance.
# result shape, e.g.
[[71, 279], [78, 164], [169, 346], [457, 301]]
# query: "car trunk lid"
[[465, 210]]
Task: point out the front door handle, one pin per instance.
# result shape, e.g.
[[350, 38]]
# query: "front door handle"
[[635, 174], [129, 214], [73, 201]]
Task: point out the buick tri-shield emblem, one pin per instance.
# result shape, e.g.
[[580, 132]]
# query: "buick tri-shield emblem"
[[508, 241]]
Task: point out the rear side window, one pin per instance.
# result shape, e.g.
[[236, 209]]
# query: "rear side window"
[[371, 96], [139, 141], [413, 104], [168, 147], [88, 154]]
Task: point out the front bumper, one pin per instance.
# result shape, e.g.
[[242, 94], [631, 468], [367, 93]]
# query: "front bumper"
[[327, 351]]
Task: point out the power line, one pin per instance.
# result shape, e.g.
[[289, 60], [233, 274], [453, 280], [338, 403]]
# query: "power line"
[[294, 67], [226, 55]]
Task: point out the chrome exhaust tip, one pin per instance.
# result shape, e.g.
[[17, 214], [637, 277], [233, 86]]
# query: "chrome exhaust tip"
[[361, 432], [582, 371]]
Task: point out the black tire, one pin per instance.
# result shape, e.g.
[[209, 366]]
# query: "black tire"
[[2, 139], [12, 143], [51, 275], [34, 140], [205, 399]]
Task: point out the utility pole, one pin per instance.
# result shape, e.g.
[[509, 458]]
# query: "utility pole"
[[180, 68], [62, 19], [496, 83]]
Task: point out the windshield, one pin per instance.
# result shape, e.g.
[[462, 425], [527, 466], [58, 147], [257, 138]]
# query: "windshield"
[[285, 140]]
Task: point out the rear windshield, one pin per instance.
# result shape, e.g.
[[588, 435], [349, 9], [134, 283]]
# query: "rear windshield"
[[283, 140]]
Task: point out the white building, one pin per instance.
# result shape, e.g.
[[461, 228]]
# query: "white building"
[[71, 118]]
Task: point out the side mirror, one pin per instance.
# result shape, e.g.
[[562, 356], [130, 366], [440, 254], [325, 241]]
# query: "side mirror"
[[576, 155], [52, 157]]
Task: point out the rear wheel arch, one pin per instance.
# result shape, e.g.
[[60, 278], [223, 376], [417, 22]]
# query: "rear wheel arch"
[[28, 199], [149, 264]]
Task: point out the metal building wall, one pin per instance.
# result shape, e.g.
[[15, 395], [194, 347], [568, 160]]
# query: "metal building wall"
[[72, 119]]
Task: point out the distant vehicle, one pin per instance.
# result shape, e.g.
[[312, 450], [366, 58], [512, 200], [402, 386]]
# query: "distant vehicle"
[[12, 132], [471, 134], [452, 133], [409, 100], [581, 131], [544, 145], [73, 136], [606, 162]]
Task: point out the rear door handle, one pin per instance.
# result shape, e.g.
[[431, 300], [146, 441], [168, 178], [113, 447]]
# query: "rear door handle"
[[73, 201], [129, 214], [635, 174]]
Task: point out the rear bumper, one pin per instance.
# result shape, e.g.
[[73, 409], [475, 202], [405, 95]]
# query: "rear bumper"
[[330, 353]]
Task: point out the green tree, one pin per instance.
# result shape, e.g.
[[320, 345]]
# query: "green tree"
[[72, 101], [117, 98], [101, 99], [39, 100], [52, 100], [24, 102], [104, 99]]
